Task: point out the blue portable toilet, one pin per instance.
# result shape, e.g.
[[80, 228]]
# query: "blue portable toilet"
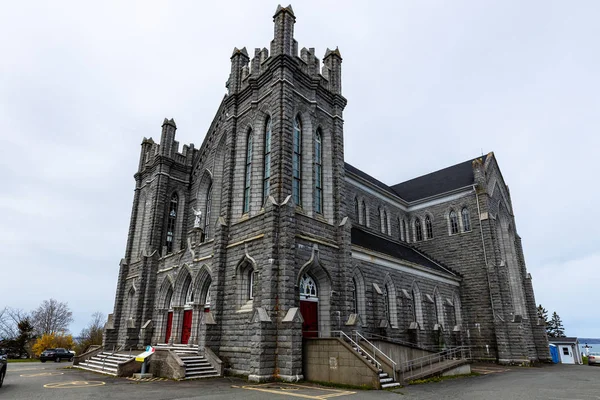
[[554, 353]]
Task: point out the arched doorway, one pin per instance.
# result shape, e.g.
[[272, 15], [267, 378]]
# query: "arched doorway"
[[188, 312], [309, 306]]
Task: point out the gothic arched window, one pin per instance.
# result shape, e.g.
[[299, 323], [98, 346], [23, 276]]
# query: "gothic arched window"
[[418, 230], [171, 220], [267, 161], [354, 297], [297, 163], [308, 287], [404, 230], [428, 227], [248, 173], [364, 212], [207, 211], [384, 224], [318, 172], [466, 217], [356, 210], [386, 304], [453, 223]]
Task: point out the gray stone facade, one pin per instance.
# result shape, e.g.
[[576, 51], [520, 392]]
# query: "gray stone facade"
[[277, 212]]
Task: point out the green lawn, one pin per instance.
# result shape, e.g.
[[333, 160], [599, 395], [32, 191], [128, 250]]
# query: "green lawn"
[[23, 360], [584, 358]]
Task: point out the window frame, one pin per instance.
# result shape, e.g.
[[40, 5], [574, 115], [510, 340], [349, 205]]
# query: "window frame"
[[297, 162], [453, 219], [172, 222], [318, 159], [428, 227], [466, 219], [418, 230], [208, 211], [267, 160], [248, 173]]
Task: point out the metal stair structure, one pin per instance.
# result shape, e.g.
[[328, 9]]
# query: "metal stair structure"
[[196, 366], [385, 380], [105, 362]]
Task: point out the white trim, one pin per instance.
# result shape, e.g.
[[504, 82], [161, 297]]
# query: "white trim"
[[417, 204], [379, 259]]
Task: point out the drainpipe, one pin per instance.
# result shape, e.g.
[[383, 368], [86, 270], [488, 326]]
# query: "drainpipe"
[[485, 256]]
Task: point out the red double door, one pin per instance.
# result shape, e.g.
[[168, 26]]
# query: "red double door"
[[310, 314], [186, 330]]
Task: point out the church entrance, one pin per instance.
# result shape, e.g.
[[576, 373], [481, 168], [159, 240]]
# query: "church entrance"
[[169, 326], [310, 314], [309, 306], [186, 330]]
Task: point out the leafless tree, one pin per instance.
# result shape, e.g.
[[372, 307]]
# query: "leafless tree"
[[52, 316], [92, 334], [9, 321]]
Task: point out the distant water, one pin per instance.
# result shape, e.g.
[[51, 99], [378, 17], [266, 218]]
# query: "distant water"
[[594, 343]]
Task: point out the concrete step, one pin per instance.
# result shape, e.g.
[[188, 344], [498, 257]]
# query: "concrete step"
[[98, 368], [203, 368], [105, 372], [390, 385], [386, 380], [201, 375], [100, 363], [383, 375]]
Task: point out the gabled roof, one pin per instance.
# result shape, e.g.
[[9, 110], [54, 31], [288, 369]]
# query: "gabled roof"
[[562, 340], [442, 181], [401, 251], [368, 178]]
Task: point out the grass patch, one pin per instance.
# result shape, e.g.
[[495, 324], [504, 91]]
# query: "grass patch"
[[441, 378], [584, 359], [23, 360]]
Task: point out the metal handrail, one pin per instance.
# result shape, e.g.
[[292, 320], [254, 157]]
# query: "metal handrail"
[[398, 341], [394, 365], [430, 360], [358, 347]]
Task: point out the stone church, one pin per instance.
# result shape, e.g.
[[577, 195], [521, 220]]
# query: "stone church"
[[264, 236]]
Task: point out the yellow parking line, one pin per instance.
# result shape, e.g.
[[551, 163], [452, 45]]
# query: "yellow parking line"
[[283, 391]]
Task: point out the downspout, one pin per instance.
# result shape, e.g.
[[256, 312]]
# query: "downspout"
[[485, 256]]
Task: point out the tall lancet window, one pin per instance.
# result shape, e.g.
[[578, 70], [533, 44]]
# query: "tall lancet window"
[[418, 230], [248, 174], [428, 227], [466, 217], [453, 223], [207, 211], [267, 162], [297, 163], [171, 220], [318, 172]]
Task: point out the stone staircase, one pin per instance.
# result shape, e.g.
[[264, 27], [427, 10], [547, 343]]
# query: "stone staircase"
[[196, 366], [105, 363], [384, 379]]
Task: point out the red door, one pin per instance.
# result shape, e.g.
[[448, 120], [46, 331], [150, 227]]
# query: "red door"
[[169, 326], [310, 312], [187, 326]]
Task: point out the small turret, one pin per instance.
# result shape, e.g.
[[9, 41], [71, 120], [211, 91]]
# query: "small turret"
[[239, 68], [283, 41], [167, 137], [332, 70]]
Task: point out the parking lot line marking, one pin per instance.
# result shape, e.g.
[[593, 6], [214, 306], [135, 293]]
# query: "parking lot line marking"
[[283, 390], [74, 384], [41, 374]]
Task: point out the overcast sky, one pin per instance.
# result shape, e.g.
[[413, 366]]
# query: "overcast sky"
[[429, 84]]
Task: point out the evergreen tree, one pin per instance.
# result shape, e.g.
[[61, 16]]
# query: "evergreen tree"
[[558, 330], [542, 314]]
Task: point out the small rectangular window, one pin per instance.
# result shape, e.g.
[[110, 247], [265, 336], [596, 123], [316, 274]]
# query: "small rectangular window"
[[566, 351]]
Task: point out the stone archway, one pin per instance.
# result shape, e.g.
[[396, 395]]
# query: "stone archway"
[[322, 289]]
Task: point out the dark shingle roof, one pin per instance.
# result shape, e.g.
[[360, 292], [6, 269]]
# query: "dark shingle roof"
[[442, 181], [369, 178], [398, 250]]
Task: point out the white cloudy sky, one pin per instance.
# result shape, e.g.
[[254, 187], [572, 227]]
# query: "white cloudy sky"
[[429, 84]]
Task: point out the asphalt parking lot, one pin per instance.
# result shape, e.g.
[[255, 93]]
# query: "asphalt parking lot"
[[59, 381]]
